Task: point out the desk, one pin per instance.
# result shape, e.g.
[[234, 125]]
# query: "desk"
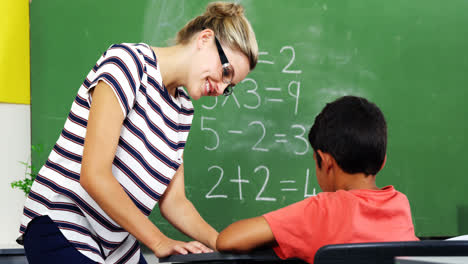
[[13, 256], [431, 260], [266, 256]]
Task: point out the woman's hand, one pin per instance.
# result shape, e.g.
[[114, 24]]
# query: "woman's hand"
[[175, 247]]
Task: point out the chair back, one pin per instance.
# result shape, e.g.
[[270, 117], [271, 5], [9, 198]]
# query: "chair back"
[[385, 252]]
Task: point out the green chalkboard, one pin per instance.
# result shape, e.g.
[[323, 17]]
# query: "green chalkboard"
[[247, 154]]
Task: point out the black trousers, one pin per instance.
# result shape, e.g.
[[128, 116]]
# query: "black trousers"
[[45, 244]]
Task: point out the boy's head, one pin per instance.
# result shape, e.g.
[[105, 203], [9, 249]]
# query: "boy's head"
[[353, 131]]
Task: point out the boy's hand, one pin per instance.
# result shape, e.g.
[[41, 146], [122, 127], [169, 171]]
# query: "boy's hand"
[[175, 247]]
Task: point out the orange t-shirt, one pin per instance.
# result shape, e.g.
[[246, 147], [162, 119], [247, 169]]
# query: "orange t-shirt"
[[355, 216]]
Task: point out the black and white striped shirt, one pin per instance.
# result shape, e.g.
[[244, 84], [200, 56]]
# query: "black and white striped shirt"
[[152, 140]]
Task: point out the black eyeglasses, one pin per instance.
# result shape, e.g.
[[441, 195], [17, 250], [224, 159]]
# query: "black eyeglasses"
[[228, 70]]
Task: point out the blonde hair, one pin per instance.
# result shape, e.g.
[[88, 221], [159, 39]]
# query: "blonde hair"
[[230, 26]]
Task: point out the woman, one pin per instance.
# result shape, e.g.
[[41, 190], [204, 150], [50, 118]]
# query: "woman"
[[121, 149]]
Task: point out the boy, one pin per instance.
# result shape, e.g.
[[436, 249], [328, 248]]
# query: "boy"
[[349, 139]]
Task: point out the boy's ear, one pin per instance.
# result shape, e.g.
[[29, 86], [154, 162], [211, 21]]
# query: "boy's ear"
[[327, 160], [383, 163]]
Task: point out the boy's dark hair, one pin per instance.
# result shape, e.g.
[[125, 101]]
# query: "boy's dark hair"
[[353, 131]]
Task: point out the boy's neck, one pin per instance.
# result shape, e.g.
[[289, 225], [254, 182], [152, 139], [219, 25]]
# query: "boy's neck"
[[356, 181]]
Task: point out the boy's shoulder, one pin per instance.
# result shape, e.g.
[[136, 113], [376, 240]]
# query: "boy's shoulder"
[[343, 202], [343, 199]]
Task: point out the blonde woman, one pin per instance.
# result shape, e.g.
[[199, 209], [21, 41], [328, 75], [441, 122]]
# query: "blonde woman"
[[121, 148]]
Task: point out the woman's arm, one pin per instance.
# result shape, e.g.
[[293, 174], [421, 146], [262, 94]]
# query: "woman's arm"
[[181, 213], [102, 137], [246, 235]]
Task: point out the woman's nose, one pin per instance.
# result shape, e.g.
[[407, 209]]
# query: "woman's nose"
[[221, 87]]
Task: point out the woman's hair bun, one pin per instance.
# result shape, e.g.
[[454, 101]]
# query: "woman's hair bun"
[[229, 25], [223, 9]]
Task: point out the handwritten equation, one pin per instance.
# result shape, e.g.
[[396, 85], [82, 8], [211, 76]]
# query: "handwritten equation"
[[298, 133], [289, 185]]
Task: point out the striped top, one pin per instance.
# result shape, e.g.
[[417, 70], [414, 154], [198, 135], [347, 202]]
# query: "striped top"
[[152, 140]]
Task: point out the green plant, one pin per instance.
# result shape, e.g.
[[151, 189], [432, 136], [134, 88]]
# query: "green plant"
[[30, 173]]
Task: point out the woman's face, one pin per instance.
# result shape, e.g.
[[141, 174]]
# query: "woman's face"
[[205, 77]]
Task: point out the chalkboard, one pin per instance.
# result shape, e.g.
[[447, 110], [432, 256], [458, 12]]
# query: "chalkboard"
[[248, 154]]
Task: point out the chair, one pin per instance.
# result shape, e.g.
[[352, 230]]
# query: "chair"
[[385, 252]]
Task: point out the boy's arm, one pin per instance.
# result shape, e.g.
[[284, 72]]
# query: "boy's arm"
[[245, 235]]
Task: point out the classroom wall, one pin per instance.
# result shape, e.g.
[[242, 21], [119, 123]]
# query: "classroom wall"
[[15, 142], [14, 52], [15, 114]]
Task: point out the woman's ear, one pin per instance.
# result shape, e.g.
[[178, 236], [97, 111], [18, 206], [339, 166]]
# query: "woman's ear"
[[204, 37]]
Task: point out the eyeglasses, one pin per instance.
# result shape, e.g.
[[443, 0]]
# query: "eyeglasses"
[[228, 70]]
